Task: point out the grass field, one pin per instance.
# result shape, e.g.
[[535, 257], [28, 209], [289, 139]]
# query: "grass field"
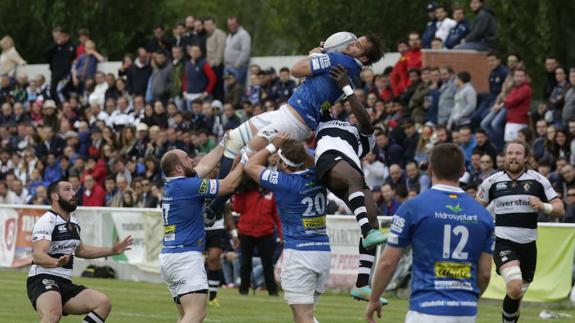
[[145, 302]]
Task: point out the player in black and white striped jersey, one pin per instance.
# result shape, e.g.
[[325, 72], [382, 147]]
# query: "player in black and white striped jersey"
[[516, 195], [339, 149], [55, 243]]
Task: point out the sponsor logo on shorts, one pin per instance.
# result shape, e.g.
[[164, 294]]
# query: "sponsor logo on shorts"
[[49, 284], [204, 186], [452, 270]]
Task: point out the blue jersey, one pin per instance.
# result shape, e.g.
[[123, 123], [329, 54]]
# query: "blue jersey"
[[183, 213], [301, 203], [448, 230], [319, 92]]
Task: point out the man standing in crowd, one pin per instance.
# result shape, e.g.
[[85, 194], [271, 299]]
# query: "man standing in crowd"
[[60, 57], [55, 243], [237, 51], [158, 88], [519, 194], [199, 78], [454, 269], [215, 47]]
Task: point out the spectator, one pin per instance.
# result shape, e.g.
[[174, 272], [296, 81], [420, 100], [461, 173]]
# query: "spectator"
[[569, 209], [415, 179], [147, 199], [199, 78], [410, 59], [3, 193], [83, 37], [494, 121], [374, 170], [538, 147], [17, 193], [178, 35], [446, 94], [94, 194], [98, 96], [159, 41], [431, 26], [410, 140], [486, 166], [10, 58], [557, 97], [138, 73], [396, 178], [567, 178], [86, 65], [234, 91], [562, 145], [444, 24], [285, 87], [461, 29], [41, 197], [160, 80], [437, 44], [123, 188], [484, 145], [568, 111], [517, 103], [467, 143], [178, 68], [483, 34], [238, 50], [111, 189], [465, 101], [551, 63], [424, 145], [60, 56], [215, 47], [390, 204]]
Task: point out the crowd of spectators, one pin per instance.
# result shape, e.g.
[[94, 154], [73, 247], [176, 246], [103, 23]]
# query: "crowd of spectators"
[[184, 89]]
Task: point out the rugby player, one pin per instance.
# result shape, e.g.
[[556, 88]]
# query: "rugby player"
[[517, 195], [181, 259], [452, 240], [301, 203], [55, 244], [340, 146]]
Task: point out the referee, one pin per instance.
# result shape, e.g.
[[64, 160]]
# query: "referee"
[[517, 194]]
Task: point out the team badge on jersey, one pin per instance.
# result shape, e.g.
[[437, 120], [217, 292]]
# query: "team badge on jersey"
[[203, 186]]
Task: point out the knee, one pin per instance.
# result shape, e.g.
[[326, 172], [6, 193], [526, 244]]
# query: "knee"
[[52, 315], [103, 305], [515, 289], [213, 263]]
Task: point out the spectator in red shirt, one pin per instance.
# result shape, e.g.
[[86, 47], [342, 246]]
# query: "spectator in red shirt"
[[94, 194], [258, 221], [409, 60], [517, 103]]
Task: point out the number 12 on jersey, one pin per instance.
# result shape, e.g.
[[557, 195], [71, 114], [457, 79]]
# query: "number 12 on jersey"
[[458, 253]]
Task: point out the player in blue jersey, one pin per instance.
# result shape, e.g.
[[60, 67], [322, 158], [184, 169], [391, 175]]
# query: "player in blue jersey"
[[301, 115], [181, 259], [301, 203], [452, 237]]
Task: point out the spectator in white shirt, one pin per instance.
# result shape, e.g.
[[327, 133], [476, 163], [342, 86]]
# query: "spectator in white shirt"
[[18, 194], [99, 94], [375, 171], [122, 117], [9, 59], [444, 23]]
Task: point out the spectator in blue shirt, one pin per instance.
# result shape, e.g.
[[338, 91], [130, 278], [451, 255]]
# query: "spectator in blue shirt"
[[460, 31], [467, 143], [431, 26], [494, 121]]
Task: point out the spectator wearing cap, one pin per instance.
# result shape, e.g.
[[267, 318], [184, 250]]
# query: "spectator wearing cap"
[[160, 81], [517, 103], [178, 68], [142, 141], [461, 29], [86, 65], [199, 78], [237, 51], [215, 48], [60, 56], [138, 73], [444, 24], [10, 58], [390, 204], [465, 101], [483, 34], [430, 27], [94, 194], [234, 91]]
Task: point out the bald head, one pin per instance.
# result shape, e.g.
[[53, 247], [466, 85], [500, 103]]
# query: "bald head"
[[176, 162]]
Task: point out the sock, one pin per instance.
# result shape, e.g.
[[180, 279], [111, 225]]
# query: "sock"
[[510, 313], [366, 259], [92, 317], [217, 205], [214, 282], [357, 205]]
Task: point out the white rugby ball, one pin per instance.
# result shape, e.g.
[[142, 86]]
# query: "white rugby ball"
[[338, 41]]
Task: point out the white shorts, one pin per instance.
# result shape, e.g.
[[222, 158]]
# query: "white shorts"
[[416, 317], [183, 272], [269, 124], [512, 130], [303, 275]]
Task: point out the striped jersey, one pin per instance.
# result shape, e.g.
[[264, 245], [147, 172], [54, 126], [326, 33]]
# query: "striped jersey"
[[343, 137], [64, 237], [515, 220]]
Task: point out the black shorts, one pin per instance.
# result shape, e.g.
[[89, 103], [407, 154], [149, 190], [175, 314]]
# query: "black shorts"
[[39, 284], [216, 238], [327, 161], [526, 254]]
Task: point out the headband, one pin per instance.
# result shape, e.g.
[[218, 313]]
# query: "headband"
[[287, 161]]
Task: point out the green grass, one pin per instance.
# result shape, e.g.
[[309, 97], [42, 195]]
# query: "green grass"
[[146, 302]]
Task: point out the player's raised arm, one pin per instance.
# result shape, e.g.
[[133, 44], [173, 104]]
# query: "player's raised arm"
[[316, 63], [209, 161], [339, 75], [231, 182], [256, 164]]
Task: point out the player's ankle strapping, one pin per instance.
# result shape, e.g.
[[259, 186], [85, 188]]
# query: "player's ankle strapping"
[[214, 282], [366, 259], [92, 317], [357, 204]]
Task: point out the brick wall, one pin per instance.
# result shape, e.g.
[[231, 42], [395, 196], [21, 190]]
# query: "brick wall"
[[473, 62]]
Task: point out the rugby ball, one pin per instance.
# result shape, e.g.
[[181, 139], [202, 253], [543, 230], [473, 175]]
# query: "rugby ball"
[[338, 41]]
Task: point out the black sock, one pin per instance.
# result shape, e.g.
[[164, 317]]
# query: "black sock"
[[214, 282], [357, 205], [510, 313], [366, 259], [217, 205], [92, 317]]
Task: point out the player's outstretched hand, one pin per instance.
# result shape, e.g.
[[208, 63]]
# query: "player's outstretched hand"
[[62, 261], [122, 246], [279, 139], [339, 74], [370, 309]]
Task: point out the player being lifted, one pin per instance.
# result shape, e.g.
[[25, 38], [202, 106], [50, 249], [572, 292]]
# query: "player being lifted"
[[301, 203], [301, 115], [339, 149]]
